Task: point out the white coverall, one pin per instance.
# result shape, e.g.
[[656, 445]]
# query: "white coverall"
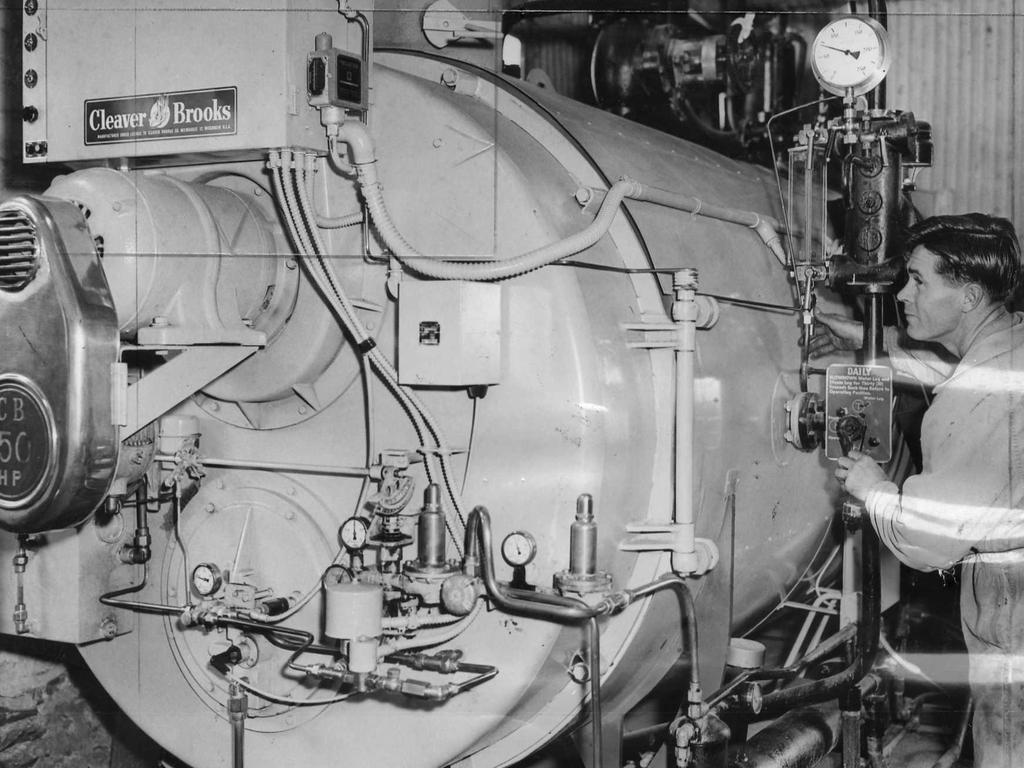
[[967, 506]]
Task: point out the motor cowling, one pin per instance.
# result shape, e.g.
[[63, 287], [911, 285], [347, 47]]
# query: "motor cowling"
[[58, 445]]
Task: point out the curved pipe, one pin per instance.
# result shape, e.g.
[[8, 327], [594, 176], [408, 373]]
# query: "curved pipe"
[[798, 739], [766, 227], [564, 610]]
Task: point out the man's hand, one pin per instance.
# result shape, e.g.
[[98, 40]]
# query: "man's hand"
[[858, 474], [834, 333]]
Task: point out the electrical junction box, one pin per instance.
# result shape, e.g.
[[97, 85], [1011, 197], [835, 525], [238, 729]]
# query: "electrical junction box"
[[449, 333], [173, 81], [858, 410]]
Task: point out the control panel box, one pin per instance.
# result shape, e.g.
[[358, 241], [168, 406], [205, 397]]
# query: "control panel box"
[[858, 411], [172, 81], [449, 333]]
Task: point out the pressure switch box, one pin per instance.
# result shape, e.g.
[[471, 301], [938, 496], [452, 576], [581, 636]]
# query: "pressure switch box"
[[449, 334]]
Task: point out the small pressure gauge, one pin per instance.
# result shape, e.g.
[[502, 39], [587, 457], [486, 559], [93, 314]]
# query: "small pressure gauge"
[[851, 53], [353, 533], [519, 548], [206, 579]]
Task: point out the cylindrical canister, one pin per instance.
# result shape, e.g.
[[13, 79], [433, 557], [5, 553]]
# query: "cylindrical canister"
[[353, 610]]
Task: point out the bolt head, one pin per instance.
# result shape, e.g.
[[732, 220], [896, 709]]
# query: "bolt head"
[[108, 628], [449, 78]]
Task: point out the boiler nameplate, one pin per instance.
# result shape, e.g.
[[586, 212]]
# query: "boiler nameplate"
[[155, 116]]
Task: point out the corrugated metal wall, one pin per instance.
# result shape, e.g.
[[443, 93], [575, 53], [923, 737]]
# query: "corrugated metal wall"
[[956, 65]]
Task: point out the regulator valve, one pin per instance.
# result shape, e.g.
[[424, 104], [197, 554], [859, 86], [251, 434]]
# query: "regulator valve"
[[582, 577], [805, 425]]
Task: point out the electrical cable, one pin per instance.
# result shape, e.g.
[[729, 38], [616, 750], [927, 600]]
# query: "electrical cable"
[[289, 176], [384, 365], [792, 590], [469, 445]]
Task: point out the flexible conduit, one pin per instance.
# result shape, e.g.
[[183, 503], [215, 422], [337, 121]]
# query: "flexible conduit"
[[361, 150]]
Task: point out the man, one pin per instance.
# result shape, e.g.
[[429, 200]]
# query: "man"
[[967, 504]]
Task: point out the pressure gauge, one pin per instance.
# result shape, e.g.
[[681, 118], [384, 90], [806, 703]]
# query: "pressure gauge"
[[206, 579], [518, 548], [850, 53], [353, 533]]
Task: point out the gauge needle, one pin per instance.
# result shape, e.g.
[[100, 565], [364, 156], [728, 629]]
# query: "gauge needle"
[[854, 54]]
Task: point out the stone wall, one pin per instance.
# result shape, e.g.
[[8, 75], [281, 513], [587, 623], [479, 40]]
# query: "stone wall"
[[53, 714]]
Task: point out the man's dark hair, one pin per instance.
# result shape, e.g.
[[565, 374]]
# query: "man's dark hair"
[[972, 248]]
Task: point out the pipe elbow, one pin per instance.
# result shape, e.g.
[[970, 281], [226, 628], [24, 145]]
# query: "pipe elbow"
[[359, 141]]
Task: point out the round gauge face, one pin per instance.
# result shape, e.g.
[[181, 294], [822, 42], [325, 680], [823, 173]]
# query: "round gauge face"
[[353, 533], [206, 579], [518, 548], [850, 53]]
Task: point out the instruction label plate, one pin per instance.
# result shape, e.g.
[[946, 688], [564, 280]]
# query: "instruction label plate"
[[155, 116], [858, 410]]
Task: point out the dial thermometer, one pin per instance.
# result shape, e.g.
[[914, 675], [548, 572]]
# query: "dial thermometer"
[[850, 53], [206, 579], [519, 548]]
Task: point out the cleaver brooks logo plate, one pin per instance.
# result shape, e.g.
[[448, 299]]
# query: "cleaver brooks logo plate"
[[150, 117]]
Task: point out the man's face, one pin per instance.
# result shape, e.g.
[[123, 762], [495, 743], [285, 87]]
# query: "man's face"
[[931, 302]]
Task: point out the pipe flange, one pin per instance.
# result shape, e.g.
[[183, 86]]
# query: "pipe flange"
[[583, 583]]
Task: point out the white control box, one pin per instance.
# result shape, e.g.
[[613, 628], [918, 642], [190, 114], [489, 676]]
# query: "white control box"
[[449, 333]]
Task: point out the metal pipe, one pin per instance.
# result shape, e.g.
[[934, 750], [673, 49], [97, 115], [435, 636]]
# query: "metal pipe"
[[237, 705], [878, 11], [820, 690], [872, 349], [276, 466], [766, 227], [798, 739], [684, 312], [565, 610], [850, 727], [549, 607], [594, 662], [869, 626]]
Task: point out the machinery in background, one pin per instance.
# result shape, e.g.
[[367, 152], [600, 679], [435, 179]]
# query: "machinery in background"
[[712, 78], [351, 403]]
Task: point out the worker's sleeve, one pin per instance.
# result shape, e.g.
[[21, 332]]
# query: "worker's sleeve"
[[962, 503], [921, 363]]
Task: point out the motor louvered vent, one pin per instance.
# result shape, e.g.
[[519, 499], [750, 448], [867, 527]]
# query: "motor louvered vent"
[[19, 250]]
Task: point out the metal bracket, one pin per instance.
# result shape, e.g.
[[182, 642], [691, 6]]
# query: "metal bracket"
[[133, 406], [667, 335], [444, 24], [690, 555]]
